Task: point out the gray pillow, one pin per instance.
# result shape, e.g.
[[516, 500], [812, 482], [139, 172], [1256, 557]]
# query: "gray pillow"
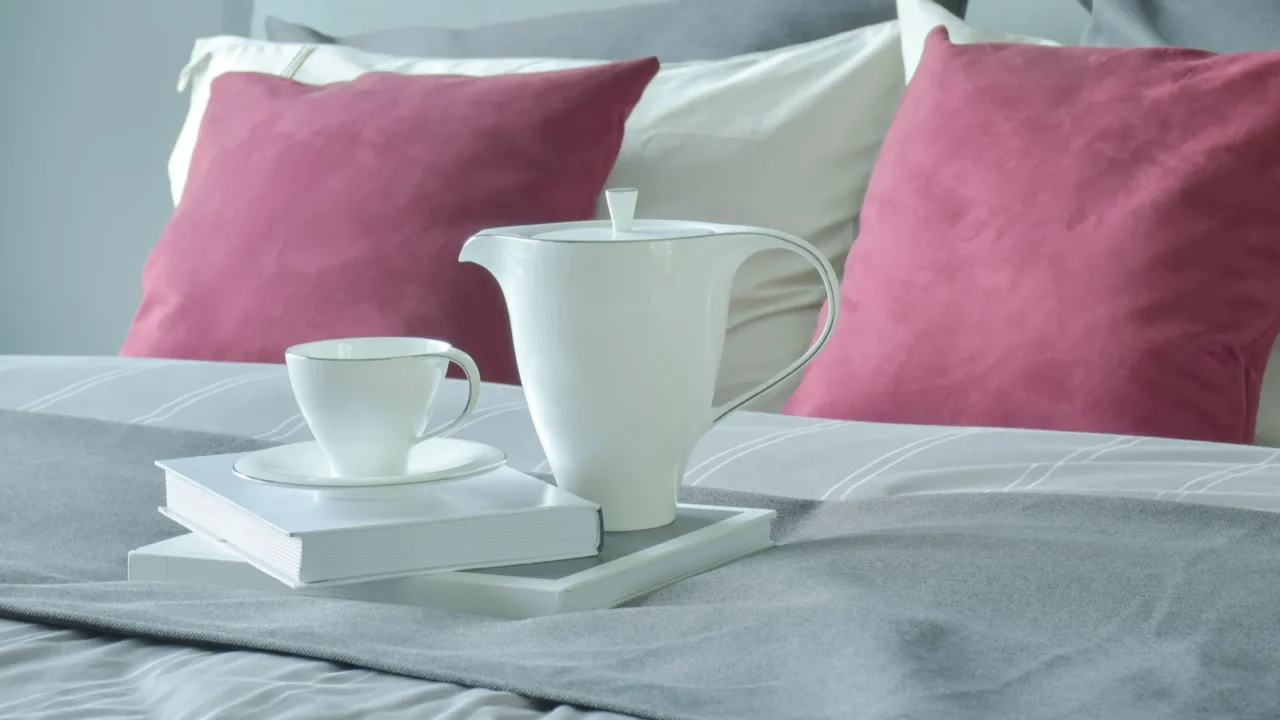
[[1217, 25], [674, 31]]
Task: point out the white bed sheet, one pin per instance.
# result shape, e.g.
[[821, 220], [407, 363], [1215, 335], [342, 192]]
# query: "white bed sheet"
[[53, 673]]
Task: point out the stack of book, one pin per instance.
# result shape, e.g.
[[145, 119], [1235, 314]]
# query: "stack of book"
[[503, 543]]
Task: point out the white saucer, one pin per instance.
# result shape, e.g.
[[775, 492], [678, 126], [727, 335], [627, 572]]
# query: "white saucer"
[[304, 465]]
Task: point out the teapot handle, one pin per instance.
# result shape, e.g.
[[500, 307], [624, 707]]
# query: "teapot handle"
[[779, 240]]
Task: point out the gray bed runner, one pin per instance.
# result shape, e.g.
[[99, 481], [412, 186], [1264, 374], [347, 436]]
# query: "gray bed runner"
[[955, 606]]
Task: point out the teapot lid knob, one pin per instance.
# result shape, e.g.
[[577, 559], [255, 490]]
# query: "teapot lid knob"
[[622, 208]]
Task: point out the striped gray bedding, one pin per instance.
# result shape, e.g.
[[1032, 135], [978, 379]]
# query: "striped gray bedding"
[[52, 673], [758, 452]]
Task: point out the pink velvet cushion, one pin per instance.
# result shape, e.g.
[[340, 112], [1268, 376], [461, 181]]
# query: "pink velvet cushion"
[[339, 210], [1069, 239]]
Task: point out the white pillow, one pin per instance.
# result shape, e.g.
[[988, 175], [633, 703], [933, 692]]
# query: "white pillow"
[[782, 139], [918, 17]]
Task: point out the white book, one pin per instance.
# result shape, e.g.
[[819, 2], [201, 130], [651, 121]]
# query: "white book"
[[305, 537], [630, 564]]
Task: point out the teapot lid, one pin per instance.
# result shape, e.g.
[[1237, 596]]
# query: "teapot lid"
[[622, 224]]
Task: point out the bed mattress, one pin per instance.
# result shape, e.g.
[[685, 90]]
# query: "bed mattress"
[[51, 673]]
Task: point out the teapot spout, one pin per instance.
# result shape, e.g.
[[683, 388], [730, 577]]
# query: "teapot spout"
[[487, 251]]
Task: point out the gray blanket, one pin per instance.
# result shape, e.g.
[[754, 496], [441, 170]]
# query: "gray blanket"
[[965, 606]]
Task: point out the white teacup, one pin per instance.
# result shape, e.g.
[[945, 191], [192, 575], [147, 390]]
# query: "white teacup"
[[368, 400]]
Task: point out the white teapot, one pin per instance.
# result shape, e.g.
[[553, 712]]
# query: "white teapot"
[[618, 329]]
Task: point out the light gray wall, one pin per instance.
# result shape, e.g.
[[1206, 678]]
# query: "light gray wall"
[[89, 113]]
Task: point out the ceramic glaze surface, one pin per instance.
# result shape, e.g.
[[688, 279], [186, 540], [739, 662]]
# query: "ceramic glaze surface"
[[368, 400], [618, 329]]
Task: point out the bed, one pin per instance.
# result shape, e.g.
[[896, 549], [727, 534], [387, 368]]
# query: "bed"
[[980, 572], [51, 672]]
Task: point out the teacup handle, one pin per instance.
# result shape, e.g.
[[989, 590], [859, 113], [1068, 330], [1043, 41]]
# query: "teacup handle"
[[464, 361], [830, 283]]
